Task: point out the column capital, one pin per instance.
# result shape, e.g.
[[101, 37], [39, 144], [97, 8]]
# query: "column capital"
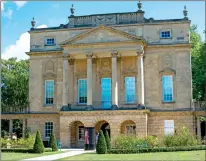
[[89, 55], [71, 61], [114, 53], [140, 51], [65, 56]]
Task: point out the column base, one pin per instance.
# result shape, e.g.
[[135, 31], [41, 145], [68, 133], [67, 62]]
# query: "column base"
[[89, 108], [114, 107]]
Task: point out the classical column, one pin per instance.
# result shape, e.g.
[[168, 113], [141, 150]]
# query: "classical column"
[[140, 78], [10, 127], [65, 80], [114, 80], [89, 80]]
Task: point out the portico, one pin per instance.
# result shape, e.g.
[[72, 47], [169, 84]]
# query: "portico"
[[108, 55]]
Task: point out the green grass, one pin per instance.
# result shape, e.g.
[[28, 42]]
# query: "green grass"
[[182, 155], [19, 156]]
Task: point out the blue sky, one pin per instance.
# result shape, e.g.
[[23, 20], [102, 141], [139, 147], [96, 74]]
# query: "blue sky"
[[16, 17]]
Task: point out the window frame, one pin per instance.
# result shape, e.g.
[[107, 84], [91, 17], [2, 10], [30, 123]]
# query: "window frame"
[[46, 43], [45, 96], [130, 125], [172, 86], [48, 129], [166, 127], [165, 30], [125, 87], [82, 127], [79, 93]]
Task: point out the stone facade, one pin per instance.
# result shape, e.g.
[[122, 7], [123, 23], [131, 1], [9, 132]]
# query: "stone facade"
[[88, 48]]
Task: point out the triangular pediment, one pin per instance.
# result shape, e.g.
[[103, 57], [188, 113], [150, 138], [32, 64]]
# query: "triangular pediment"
[[101, 34]]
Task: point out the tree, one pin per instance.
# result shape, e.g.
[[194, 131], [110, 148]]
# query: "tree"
[[14, 85], [101, 147], [53, 142], [108, 142], [38, 145], [198, 65]]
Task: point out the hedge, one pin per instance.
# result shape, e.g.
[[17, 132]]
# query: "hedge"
[[157, 149], [23, 150]]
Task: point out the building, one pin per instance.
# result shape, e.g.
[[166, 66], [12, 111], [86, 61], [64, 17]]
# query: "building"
[[119, 72]]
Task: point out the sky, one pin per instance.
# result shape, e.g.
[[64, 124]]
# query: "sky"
[[16, 17]]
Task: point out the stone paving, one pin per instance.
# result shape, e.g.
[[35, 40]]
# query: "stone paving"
[[67, 153]]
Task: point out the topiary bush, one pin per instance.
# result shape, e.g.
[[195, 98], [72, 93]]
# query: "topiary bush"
[[108, 142], [38, 145], [53, 142], [101, 147]]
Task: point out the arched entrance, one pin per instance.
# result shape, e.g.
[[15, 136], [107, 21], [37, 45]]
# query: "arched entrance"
[[102, 125], [128, 127], [77, 134]]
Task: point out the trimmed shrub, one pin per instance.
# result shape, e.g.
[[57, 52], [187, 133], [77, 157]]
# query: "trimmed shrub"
[[38, 145], [181, 138], [101, 147], [22, 150], [19, 143], [133, 142], [108, 142], [157, 149], [53, 142]]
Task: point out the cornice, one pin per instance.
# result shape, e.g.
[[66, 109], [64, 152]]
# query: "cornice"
[[168, 45], [105, 113], [39, 53]]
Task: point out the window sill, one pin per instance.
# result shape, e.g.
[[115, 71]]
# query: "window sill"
[[49, 45], [49, 105], [162, 38], [168, 102], [81, 104], [132, 103]]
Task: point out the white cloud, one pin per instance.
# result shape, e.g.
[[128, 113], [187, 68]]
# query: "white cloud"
[[55, 5], [21, 46], [8, 13], [2, 6], [20, 4]]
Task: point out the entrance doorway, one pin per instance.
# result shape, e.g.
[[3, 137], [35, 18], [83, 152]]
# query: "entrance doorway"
[[105, 127], [203, 129], [106, 93]]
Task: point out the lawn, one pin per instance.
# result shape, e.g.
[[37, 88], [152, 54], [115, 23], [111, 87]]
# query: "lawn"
[[18, 156], [183, 155]]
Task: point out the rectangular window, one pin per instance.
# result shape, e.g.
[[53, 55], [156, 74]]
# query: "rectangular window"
[[82, 91], [130, 129], [81, 133], [167, 88], [49, 41], [168, 127], [49, 92], [165, 34], [130, 91], [48, 129]]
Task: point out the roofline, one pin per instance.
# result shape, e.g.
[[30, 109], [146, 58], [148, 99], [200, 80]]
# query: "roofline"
[[154, 22]]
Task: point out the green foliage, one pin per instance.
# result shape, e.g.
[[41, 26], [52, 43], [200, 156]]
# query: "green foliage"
[[38, 145], [53, 142], [19, 143], [157, 149], [181, 138], [132, 142], [15, 78], [22, 150], [27, 132], [198, 53], [108, 142], [101, 147]]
